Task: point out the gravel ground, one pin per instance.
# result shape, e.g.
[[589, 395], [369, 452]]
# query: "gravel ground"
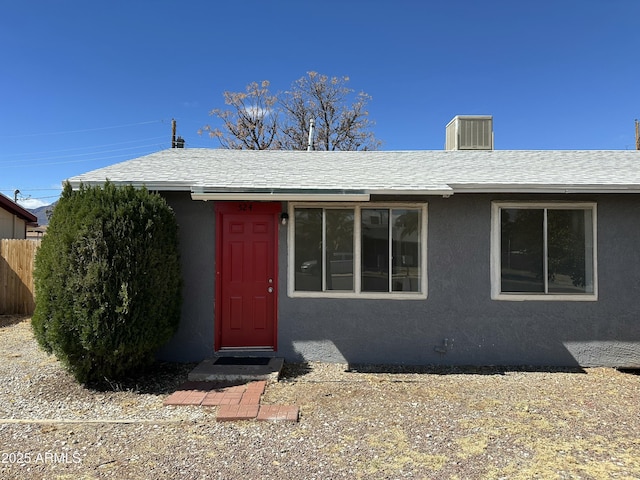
[[363, 422]]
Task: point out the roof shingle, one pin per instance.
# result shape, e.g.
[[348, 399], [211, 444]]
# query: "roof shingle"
[[377, 171]]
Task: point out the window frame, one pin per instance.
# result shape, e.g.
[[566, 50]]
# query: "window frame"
[[357, 251], [496, 240]]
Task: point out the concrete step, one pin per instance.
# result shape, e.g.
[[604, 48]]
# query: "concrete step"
[[237, 369]]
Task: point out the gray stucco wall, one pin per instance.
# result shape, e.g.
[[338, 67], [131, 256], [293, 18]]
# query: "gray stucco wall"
[[196, 223], [458, 324]]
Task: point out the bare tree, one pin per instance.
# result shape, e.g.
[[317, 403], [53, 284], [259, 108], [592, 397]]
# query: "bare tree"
[[339, 125], [252, 123], [259, 120]]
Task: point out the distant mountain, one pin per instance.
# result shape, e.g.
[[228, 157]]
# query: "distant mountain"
[[41, 213]]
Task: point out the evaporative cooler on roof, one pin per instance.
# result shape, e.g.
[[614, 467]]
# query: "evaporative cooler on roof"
[[470, 132]]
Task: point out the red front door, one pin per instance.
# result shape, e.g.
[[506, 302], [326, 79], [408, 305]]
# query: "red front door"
[[246, 275]]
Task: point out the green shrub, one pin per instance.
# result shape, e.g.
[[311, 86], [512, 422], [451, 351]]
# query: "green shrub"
[[107, 281]]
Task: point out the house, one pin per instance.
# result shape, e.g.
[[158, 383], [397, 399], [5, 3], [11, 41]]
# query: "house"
[[465, 256], [14, 219]]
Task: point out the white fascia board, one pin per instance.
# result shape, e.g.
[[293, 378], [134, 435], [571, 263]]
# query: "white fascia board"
[[330, 195], [440, 190], [159, 186], [530, 188], [281, 195], [152, 186]]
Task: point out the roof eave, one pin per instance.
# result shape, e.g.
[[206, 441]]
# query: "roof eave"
[[545, 188], [275, 194], [439, 190], [15, 209], [306, 194], [153, 186], [199, 192]]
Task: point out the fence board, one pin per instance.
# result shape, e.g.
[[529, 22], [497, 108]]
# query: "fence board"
[[16, 276]]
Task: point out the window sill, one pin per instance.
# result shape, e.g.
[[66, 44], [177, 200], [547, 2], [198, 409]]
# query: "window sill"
[[362, 295], [542, 297]]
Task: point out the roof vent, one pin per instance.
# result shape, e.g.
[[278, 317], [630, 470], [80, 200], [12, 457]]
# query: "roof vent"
[[470, 132]]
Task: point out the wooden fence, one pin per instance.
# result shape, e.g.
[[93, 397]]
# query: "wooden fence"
[[16, 276]]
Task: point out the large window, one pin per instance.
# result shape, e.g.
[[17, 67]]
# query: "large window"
[[544, 251], [358, 250]]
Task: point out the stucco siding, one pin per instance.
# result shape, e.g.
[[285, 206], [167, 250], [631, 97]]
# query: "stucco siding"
[[458, 323], [196, 223], [11, 226]]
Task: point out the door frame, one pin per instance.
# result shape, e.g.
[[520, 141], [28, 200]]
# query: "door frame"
[[264, 208]]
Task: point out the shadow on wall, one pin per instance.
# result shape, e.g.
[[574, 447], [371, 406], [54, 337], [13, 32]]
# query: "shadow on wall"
[[391, 355], [520, 337]]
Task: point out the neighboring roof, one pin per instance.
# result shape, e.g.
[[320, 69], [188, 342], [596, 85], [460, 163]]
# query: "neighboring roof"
[[288, 175], [15, 209]]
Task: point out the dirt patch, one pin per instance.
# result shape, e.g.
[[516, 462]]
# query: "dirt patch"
[[355, 422], [6, 320]]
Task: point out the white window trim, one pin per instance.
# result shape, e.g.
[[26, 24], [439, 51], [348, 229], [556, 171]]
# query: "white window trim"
[[496, 294], [357, 207]]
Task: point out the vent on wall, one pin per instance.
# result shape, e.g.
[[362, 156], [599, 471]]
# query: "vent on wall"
[[470, 132]]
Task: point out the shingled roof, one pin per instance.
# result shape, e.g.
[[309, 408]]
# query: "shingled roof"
[[219, 173]]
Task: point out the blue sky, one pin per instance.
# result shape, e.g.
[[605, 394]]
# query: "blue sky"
[[88, 84]]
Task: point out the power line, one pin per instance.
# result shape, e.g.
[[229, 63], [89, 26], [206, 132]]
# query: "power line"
[[91, 159], [40, 198], [23, 193], [81, 131], [89, 147], [30, 189], [20, 163]]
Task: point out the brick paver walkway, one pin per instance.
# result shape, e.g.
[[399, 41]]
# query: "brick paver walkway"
[[238, 402]]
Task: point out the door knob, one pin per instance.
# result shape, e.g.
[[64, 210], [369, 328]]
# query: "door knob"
[[270, 289]]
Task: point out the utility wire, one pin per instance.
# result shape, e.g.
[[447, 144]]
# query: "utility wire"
[[39, 198], [20, 163], [81, 131], [30, 189], [88, 147], [88, 159]]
